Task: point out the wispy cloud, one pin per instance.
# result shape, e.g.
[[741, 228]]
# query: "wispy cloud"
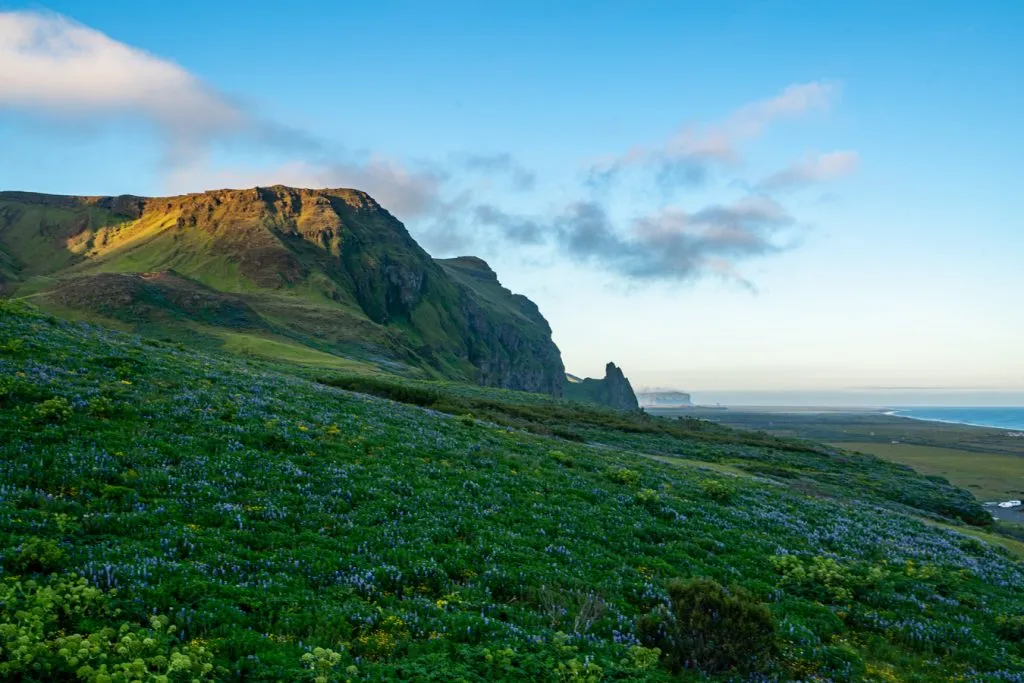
[[522, 179], [814, 169], [516, 229], [667, 245], [688, 157]]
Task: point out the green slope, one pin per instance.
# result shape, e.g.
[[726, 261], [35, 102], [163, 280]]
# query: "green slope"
[[328, 269], [44, 238], [287, 529]]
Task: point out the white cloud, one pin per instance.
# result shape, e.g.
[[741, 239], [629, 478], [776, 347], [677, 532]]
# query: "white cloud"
[[687, 156], [54, 65], [814, 169]]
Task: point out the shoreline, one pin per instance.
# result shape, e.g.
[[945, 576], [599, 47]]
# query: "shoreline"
[[895, 413]]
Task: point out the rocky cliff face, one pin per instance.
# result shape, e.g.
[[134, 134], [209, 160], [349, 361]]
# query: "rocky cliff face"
[[614, 390], [508, 340], [331, 269]]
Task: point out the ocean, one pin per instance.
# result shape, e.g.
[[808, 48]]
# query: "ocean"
[[1002, 418]]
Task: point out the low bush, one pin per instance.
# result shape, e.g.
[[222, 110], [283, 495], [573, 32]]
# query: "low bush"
[[1010, 627], [37, 555], [377, 386], [53, 410], [621, 475], [48, 633], [710, 628], [717, 490], [819, 578]]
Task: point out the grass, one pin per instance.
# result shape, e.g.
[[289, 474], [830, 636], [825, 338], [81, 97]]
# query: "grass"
[[154, 250], [36, 236], [989, 476], [268, 526], [274, 349]]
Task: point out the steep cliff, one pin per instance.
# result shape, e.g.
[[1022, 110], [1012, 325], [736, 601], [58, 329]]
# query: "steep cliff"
[[327, 269], [509, 341], [614, 390]]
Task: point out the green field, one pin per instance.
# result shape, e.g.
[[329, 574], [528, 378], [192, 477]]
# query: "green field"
[[168, 514], [859, 426], [989, 476], [274, 349]]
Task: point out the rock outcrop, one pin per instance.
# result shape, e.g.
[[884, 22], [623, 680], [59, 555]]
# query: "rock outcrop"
[[613, 391]]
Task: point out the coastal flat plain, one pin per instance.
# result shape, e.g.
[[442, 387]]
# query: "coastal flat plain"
[[987, 462]]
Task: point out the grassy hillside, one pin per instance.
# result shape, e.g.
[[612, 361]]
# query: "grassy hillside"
[[238, 520], [327, 269], [43, 234]]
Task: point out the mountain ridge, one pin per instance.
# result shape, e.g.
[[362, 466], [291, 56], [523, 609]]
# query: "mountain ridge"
[[327, 268]]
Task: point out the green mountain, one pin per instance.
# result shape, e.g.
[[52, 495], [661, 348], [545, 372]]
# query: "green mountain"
[[277, 271]]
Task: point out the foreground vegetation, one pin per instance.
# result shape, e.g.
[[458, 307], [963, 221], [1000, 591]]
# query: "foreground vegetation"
[[169, 515]]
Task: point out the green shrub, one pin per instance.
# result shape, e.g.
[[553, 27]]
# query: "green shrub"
[[621, 475], [717, 490], [53, 410], [12, 346], [1010, 627], [574, 670], [48, 632], [18, 309], [377, 386], [647, 497], [101, 406], [561, 458], [818, 578], [641, 658], [710, 628], [321, 662], [37, 555]]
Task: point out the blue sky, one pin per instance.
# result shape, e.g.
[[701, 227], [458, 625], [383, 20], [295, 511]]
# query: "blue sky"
[[717, 196]]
